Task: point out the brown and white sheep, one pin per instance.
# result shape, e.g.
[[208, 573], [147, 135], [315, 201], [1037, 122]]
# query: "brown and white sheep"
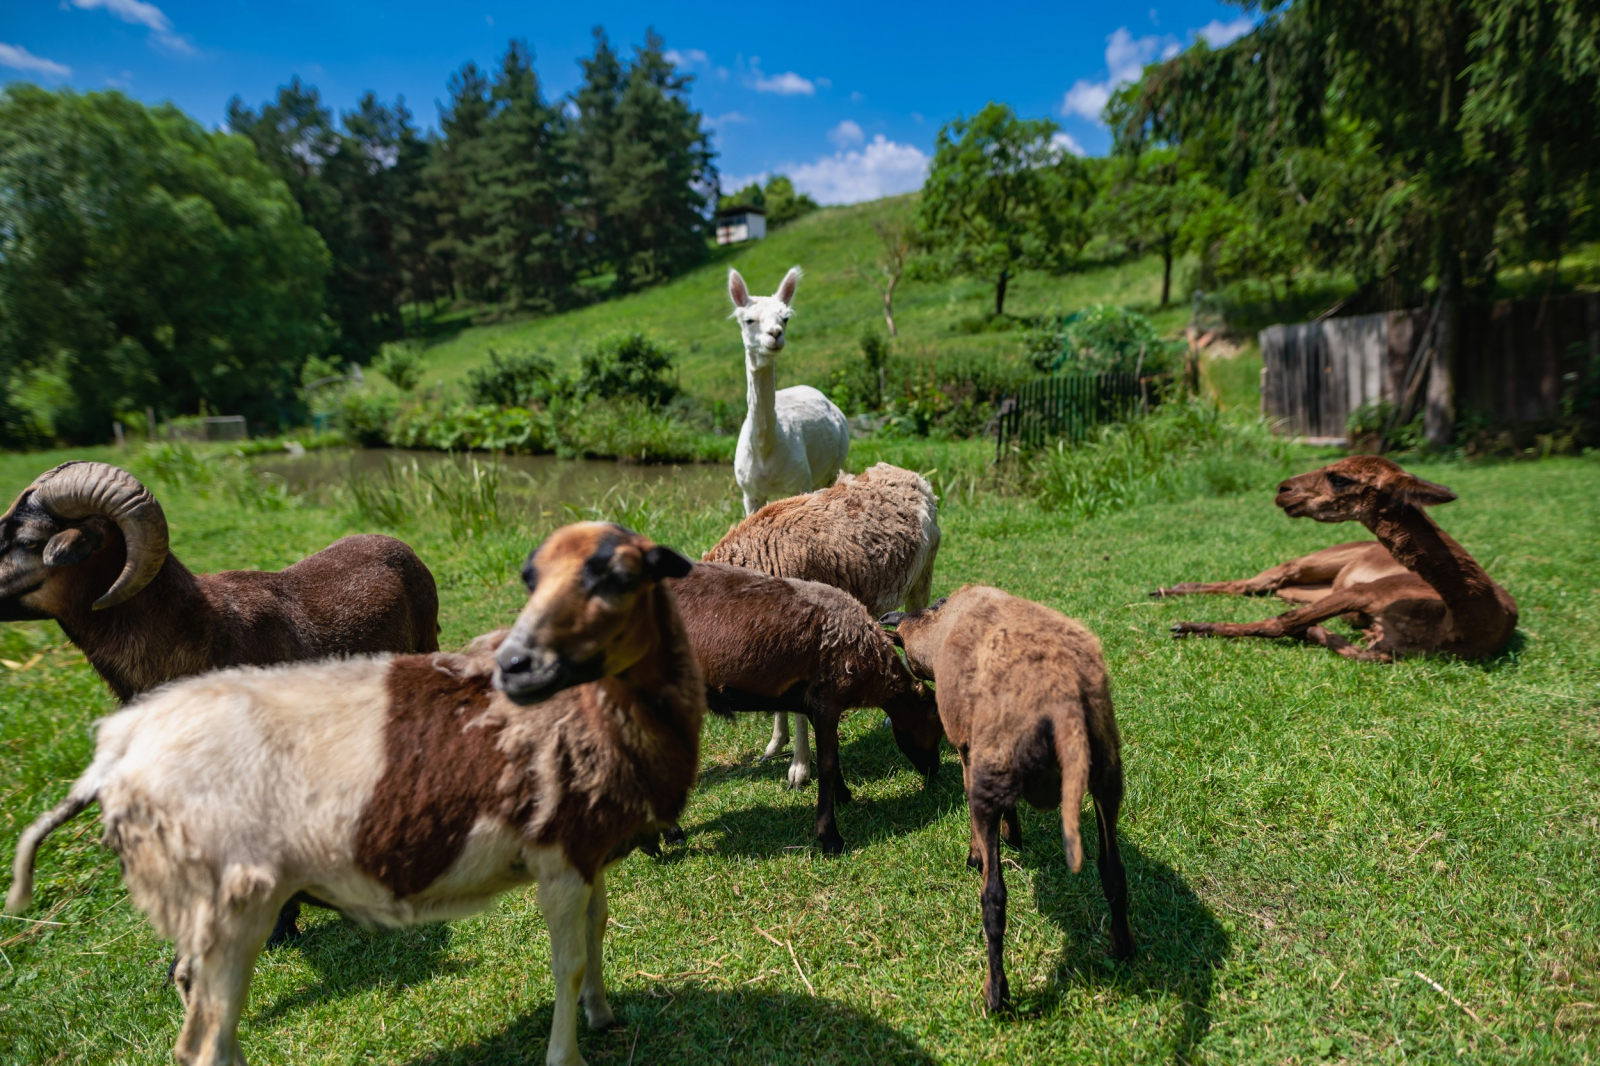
[[1024, 698], [874, 535], [86, 545], [405, 789], [767, 642]]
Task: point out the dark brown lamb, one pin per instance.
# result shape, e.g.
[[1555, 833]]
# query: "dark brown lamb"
[[768, 643]]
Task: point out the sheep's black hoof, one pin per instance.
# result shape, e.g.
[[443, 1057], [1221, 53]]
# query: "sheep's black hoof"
[[1181, 630], [1158, 594], [1122, 947], [974, 861], [997, 996], [674, 835], [842, 793], [832, 844]]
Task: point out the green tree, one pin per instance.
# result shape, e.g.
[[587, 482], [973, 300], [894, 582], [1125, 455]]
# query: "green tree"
[[161, 264], [1001, 196], [356, 186], [1150, 202], [521, 197], [667, 176], [595, 135], [449, 178], [783, 204]]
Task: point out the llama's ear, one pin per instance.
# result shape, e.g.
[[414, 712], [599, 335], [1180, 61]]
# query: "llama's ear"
[[786, 287], [1420, 493], [738, 292]]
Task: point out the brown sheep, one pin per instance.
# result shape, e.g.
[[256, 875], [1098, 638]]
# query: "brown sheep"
[[411, 788], [875, 536], [767, 642], [86, 545], [1024, 698], [1415, 591]]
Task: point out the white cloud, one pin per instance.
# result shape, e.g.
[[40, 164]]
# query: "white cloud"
[[731, 184], [856, 97], [881, 168], [689, 57], [1068, 143], [1218, 33], [19, 58], [139, 13], [135, 12], [786, 84], [1126, 57], [731, 118], [846, 134]]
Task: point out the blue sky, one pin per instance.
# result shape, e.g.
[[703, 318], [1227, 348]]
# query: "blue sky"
[[846, 98]]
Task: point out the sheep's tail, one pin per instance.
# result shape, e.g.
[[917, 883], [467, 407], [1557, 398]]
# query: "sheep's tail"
[[1072, 752], [84, 792]]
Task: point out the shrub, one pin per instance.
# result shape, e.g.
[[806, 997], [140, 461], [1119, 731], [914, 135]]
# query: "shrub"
[[516, 380], [471, 428], [401, 363], [366, 416], [1101, 338], [629, 366], [1186, 446]]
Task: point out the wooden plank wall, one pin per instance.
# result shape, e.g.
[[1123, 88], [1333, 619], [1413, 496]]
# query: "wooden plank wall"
[[1516, 359]]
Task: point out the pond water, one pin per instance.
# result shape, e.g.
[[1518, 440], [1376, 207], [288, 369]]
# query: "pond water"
[[542, 481]]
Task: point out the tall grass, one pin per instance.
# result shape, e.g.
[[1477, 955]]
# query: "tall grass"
[[1188, 446], [463, 495]]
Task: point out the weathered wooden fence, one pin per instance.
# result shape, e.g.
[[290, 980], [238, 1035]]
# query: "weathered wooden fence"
[[1510, 361], [1067, 406]]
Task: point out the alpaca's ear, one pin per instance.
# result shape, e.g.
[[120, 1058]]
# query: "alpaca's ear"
[[1420, 493], [786, 288], [738, 292]]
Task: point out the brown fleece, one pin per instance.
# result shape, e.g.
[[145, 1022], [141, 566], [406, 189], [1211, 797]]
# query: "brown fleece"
[[1435, 598], [1024, 697], [586, 770], [768, 643], [862, 534], [361, 595]]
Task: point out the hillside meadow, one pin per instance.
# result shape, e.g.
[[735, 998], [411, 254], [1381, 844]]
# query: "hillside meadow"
[[1328, 861], [836, 247]]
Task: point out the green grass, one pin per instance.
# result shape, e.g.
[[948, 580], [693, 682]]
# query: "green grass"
[[1303, 835], [834, 305]]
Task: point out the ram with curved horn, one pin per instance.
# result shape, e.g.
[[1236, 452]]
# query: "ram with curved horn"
[[86, 545]]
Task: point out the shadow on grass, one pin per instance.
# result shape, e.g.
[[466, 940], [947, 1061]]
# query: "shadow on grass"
[[1181, 944], [766, 829], [698, 1025], [349, 959]]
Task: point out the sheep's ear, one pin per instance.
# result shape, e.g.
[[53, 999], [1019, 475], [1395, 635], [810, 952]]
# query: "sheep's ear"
[[892, 619], [787, 286], [72, 546], [738, 292], [660, 562], [1420, 493]]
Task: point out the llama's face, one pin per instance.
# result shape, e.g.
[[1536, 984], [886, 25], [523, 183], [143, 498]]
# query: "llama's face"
[[1356, 489], [764, 320]]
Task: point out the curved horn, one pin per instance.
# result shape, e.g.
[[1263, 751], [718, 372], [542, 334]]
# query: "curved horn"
[[80, 489]]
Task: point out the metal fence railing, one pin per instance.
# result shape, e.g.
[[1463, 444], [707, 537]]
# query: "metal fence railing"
[[1068, 406]]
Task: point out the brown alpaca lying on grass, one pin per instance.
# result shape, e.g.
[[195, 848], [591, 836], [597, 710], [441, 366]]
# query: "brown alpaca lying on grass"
[[1023, 696], [1413, 591]]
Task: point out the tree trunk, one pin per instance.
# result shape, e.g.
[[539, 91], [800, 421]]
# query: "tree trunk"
[[888, 306], [1000, 293], [1166, 273]]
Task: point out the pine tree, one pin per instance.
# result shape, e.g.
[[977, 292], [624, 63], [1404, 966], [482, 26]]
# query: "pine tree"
[[449, 179], [593, 146], [664, 161], [521, 197]]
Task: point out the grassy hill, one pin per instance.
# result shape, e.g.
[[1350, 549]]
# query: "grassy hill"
[[837, 248]]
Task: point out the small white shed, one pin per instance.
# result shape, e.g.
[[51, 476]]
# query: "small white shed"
[[741, 224]]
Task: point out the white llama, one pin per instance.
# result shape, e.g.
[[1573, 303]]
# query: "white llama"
[[793, 441]]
